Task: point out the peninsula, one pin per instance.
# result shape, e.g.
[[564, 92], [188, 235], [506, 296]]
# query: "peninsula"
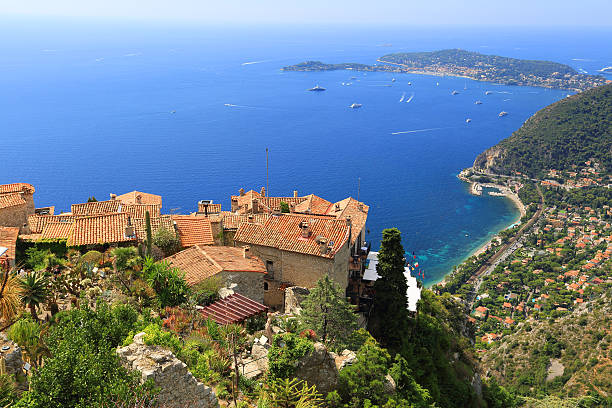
[[472, 65]]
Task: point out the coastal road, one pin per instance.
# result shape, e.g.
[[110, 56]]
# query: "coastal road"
[[505, 251]]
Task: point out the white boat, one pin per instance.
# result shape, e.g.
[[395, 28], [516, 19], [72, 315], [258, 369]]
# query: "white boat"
[[392, 79], [355, 106], [468, 120], [478, 103], [409, 83], [488, 93], [317, 88], [502, 113], [455, 92]]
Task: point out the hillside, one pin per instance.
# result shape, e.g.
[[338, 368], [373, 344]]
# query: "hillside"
[[564, 134], [568, 356]]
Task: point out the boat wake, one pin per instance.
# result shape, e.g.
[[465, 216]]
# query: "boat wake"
[[403, 96], [409, 99], [255, 62], [419, 130], [231, 105]]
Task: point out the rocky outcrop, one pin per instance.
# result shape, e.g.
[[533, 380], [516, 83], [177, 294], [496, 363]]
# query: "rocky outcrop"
[[11, 354], [346, 358], [178, 387], [487, 161], [318, 368], [293, 299]]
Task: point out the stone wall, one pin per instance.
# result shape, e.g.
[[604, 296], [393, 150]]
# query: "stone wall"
[[16, 216], [293, 299], [178, 387], [318, 368], [249, 284], [13, 361]]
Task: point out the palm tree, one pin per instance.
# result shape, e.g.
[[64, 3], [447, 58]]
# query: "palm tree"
[[10, 296], [35, 288]]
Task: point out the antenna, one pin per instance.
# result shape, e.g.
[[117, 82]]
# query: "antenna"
[[358, 187], [267, 187]]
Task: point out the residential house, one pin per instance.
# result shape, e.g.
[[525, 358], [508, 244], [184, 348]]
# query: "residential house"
[[297, 251], [193, 230], [8, 241], [16, 203], [235, 267], [138, 197]]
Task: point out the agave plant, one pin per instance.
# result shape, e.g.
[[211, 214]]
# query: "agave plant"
[[35, 290], [10, 297]]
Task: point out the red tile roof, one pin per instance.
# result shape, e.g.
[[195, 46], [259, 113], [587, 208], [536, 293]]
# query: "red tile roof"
[[17, 188], [313, 204], [163, 221], [8, 239], [138, 197], [96, 207], [283, 232], [193, 230], [201, 262], [140, 210], [357, 211], [209, 208], [233, 309], [37, 222], [100, 229], [57, 230], [11, 200], [233, 221]]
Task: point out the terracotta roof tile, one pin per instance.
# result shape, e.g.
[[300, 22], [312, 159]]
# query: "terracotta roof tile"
[[234, 308], [209, 208], [233, 221], [163, 221], [100, 229], [96, 207], [37, 222], [57, 230], [202, 262], [356, 210], [11, 200], [313, 204], [193, 230], [17, 188], [138, 197], [8, 239], [283, 232], [139, 210]]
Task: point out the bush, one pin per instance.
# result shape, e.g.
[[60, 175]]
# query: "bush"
[[167, 241], [167, 282], [286, 350]]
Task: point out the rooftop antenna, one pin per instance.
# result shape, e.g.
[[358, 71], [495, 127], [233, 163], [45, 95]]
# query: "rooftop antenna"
[[358, 187], [267, 187]]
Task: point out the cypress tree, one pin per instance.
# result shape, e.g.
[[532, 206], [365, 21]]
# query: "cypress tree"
[[149, 233], [389, 316]]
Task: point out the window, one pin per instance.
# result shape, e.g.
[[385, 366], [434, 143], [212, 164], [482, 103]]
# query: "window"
[[270, 269], [265, 285]]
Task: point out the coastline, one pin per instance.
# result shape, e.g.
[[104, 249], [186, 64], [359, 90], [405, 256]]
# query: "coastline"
[[504, 191]]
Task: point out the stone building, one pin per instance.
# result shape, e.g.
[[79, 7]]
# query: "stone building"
[[297, 250], [8, 240], [16, 203], [237, 268], [138, 197]]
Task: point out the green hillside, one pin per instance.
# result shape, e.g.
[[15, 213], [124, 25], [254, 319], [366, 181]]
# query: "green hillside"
[[566, 133]]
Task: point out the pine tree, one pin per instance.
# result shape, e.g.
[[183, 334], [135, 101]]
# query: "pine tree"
[[149, 233], [326, 311], [389, 316]]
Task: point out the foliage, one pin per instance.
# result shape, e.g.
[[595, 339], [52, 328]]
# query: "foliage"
[[206, 291], [34, 291], [566, 133], [28, 334], [284, 207], [166, 240], [497, 396], [286, 350], [149, 240], [10, 296], [167, 282], [290, 393], [92, 199], [83, 369], [390, 288], [8, 394], [39, 259], [328, 313]]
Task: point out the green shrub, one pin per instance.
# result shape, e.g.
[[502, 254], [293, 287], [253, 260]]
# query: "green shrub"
[[286, 350]]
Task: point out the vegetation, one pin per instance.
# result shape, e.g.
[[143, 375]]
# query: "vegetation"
[[167, 282], [284, 353], [563, 135], [326, 311], [166, 240], [34, 291]]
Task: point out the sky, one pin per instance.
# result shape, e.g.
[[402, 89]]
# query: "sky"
[[568, 13]]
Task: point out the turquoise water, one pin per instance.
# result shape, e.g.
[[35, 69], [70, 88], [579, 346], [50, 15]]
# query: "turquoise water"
[[94, 108]]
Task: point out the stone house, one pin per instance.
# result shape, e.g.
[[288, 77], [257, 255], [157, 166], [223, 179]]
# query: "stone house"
[[236, 267], [193, 230], [138, 197], [8, 243], [297, 250], [16, 203]]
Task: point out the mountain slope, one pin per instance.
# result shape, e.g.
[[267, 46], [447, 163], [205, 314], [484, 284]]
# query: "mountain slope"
[[568, 132]]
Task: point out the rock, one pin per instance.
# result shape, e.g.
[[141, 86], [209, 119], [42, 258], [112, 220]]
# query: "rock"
[[477, 384], [345, 359], [318, 368], [12, 356], [178, 387], [259, 354], [294, 296], [389, 385]]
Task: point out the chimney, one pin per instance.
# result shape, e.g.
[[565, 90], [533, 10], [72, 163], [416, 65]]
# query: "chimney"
[[291, 207], [262, 192], [250, 218], [241, 192], [323, 245], [305, 227], [337, 207], [113, 196], [139, 199], [246, 252], [255, 206], [295, 194], [129, 229], [348, 221]]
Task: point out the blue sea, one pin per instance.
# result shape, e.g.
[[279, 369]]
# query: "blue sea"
[[185, 111]]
